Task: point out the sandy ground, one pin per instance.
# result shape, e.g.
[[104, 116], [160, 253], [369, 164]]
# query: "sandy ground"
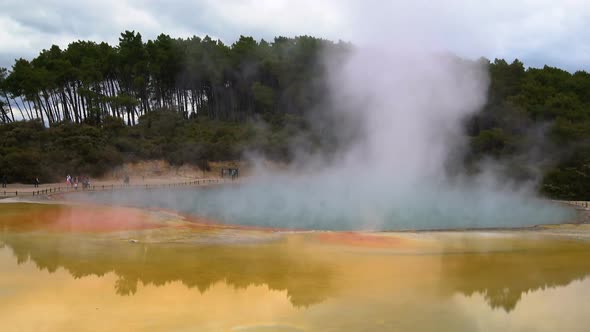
[[141, 173]]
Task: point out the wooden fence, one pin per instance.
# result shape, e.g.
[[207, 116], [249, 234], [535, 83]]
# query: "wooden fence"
[[104, 187], [578, 204]]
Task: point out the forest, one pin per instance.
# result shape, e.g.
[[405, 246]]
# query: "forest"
[[93, 106]]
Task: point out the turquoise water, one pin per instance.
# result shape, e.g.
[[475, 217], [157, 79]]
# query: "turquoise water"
[[344, 207]]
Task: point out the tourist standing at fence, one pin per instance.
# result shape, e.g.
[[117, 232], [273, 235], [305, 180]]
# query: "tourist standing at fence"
[[4, 181], [37, 182]]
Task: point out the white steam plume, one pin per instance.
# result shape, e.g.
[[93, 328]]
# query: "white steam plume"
[[409, 106], [402, 99], [405, 107]]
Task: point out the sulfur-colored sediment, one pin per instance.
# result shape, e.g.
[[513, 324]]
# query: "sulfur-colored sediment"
[[179, 277]]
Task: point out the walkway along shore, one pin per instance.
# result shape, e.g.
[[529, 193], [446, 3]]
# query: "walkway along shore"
[[52, 189]]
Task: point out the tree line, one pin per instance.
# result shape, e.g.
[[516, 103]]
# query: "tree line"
[[92, 106], [89, 81], [537, 124]]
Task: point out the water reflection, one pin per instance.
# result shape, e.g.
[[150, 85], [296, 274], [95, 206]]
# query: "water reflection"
[[306, 269], [523, 265], [295, 282], [306, 280]]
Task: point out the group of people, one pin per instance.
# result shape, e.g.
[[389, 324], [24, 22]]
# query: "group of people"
[[232, 172], [73, 182]]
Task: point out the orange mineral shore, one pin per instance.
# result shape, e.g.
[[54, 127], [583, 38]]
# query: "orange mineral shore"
[[76, 218]]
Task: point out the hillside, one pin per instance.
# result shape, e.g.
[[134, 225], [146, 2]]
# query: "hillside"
[[91, 107]]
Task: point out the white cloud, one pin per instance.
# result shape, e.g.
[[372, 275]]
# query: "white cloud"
[[10, 31], [538, 31]]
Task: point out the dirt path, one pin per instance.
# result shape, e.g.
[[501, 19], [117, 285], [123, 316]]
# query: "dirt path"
[[26, 190]]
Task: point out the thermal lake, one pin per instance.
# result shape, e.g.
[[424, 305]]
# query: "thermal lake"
[[93, 268], [341, 206]]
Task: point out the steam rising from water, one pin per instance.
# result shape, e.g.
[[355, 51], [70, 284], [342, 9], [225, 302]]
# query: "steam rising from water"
[[404, 109]]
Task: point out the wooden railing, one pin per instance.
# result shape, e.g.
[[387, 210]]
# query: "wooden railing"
[[578, 204], [104, 187]]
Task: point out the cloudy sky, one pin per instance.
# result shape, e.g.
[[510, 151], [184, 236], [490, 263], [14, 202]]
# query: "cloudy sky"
[[539, 32]]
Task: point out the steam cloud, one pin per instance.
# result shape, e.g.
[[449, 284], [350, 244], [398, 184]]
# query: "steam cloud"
[[405, 109], [408, 107]]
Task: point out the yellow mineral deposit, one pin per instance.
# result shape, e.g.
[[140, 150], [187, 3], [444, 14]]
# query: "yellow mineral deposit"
[[71, 269]]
